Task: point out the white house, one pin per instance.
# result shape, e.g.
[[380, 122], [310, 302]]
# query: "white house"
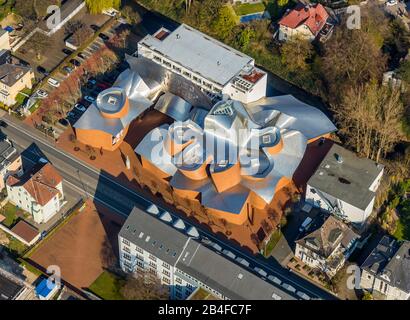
[[158, 243], [326, 244], [386, 271], [345, 185], [4, 40], [211, 65], [304, 21], [38, 191]]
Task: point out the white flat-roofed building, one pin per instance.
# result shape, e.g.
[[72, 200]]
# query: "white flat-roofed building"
[[213, 66], [149, 242]]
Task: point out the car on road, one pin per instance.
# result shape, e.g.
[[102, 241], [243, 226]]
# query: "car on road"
[[67, 51], [75, 62], [41, 93], [42, 70], [53, 82], [104, 37], [95, 27], [260, 271], [303, 295], [89, 98], [275, 279], [82, 55], [228, 253], [288, 287], [80, 107], [3, 124]]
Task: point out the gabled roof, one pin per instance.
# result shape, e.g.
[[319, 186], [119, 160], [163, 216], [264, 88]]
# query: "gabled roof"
[[392, 259], [11, 73], [325, 234], [41, 182], [313, 16]]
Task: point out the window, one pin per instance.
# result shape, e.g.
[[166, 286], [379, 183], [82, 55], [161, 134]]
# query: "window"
[[178, 280], [126, 242], [165, 265], [138, 249], [153, 258], [127, 249], [152, 264], [127, 256], [166, 280], [166, 273]]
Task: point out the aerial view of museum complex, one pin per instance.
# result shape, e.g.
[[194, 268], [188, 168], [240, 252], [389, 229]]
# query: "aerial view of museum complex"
[[204, 150]]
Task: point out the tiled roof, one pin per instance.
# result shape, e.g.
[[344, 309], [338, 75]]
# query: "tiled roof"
[[24, 230], [313, 16], [41, 182]]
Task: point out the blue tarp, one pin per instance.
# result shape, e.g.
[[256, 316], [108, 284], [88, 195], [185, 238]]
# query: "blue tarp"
[[9, 29], [43, 290]]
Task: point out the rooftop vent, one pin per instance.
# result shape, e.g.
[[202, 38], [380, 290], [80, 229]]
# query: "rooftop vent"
[[339, 158], [178, 36], [240, 276]]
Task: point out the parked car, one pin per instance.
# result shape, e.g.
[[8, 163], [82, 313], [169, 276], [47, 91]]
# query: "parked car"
[[3, 124], [80, 107], [82, 55], [305, 224], [75, 62], [42, 93], [303, 295], [67, 69], [104, 37], [53, 82], [275, 279], [288, 287], [103, 85], [91, 82], [67, 51], [95, 27], [42, 70], [89, 98], [64, 122]]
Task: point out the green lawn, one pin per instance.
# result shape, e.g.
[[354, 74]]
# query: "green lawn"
[[248, 8], [16, 246], [10, 212], [272, 242], [107, 286]]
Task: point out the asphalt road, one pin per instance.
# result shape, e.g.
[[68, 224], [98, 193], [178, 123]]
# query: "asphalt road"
[[105, 190]]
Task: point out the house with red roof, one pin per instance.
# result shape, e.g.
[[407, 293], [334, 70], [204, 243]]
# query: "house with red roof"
[[38, 191], [304, 21]]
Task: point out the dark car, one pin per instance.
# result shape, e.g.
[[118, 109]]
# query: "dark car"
[[67, 51], [3, 124], [82, 55], [104, 37], [64, 122], [67, 69], [42, 70], [94, 27], [75, 62]]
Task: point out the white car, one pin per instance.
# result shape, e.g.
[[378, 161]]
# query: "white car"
[[260, 271], [276, 297], [391, 2], [303, 295], [41, 93], [275, 280], [89, 98], [288, 287], [80, 107], [53, 82]]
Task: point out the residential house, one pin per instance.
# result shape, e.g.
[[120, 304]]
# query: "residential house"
[[386, 271], [13, 79], [164, 247], [345, 185], [326, 244], [304, 22], [38, 191], [10, 161]]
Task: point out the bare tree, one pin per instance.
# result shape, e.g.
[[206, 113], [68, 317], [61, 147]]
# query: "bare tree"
[[144, 286]]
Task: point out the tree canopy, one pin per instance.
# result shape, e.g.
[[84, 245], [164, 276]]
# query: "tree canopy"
[[98, 6]]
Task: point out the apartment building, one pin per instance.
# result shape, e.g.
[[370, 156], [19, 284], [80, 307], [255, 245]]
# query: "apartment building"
[[211, 65], [38, 191], [13, 79], [345, 185], [10, 160], [154, 243], [386, 271]]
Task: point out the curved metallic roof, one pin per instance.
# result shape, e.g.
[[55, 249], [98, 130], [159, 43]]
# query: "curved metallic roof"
[[243, 134], [173, 106]]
